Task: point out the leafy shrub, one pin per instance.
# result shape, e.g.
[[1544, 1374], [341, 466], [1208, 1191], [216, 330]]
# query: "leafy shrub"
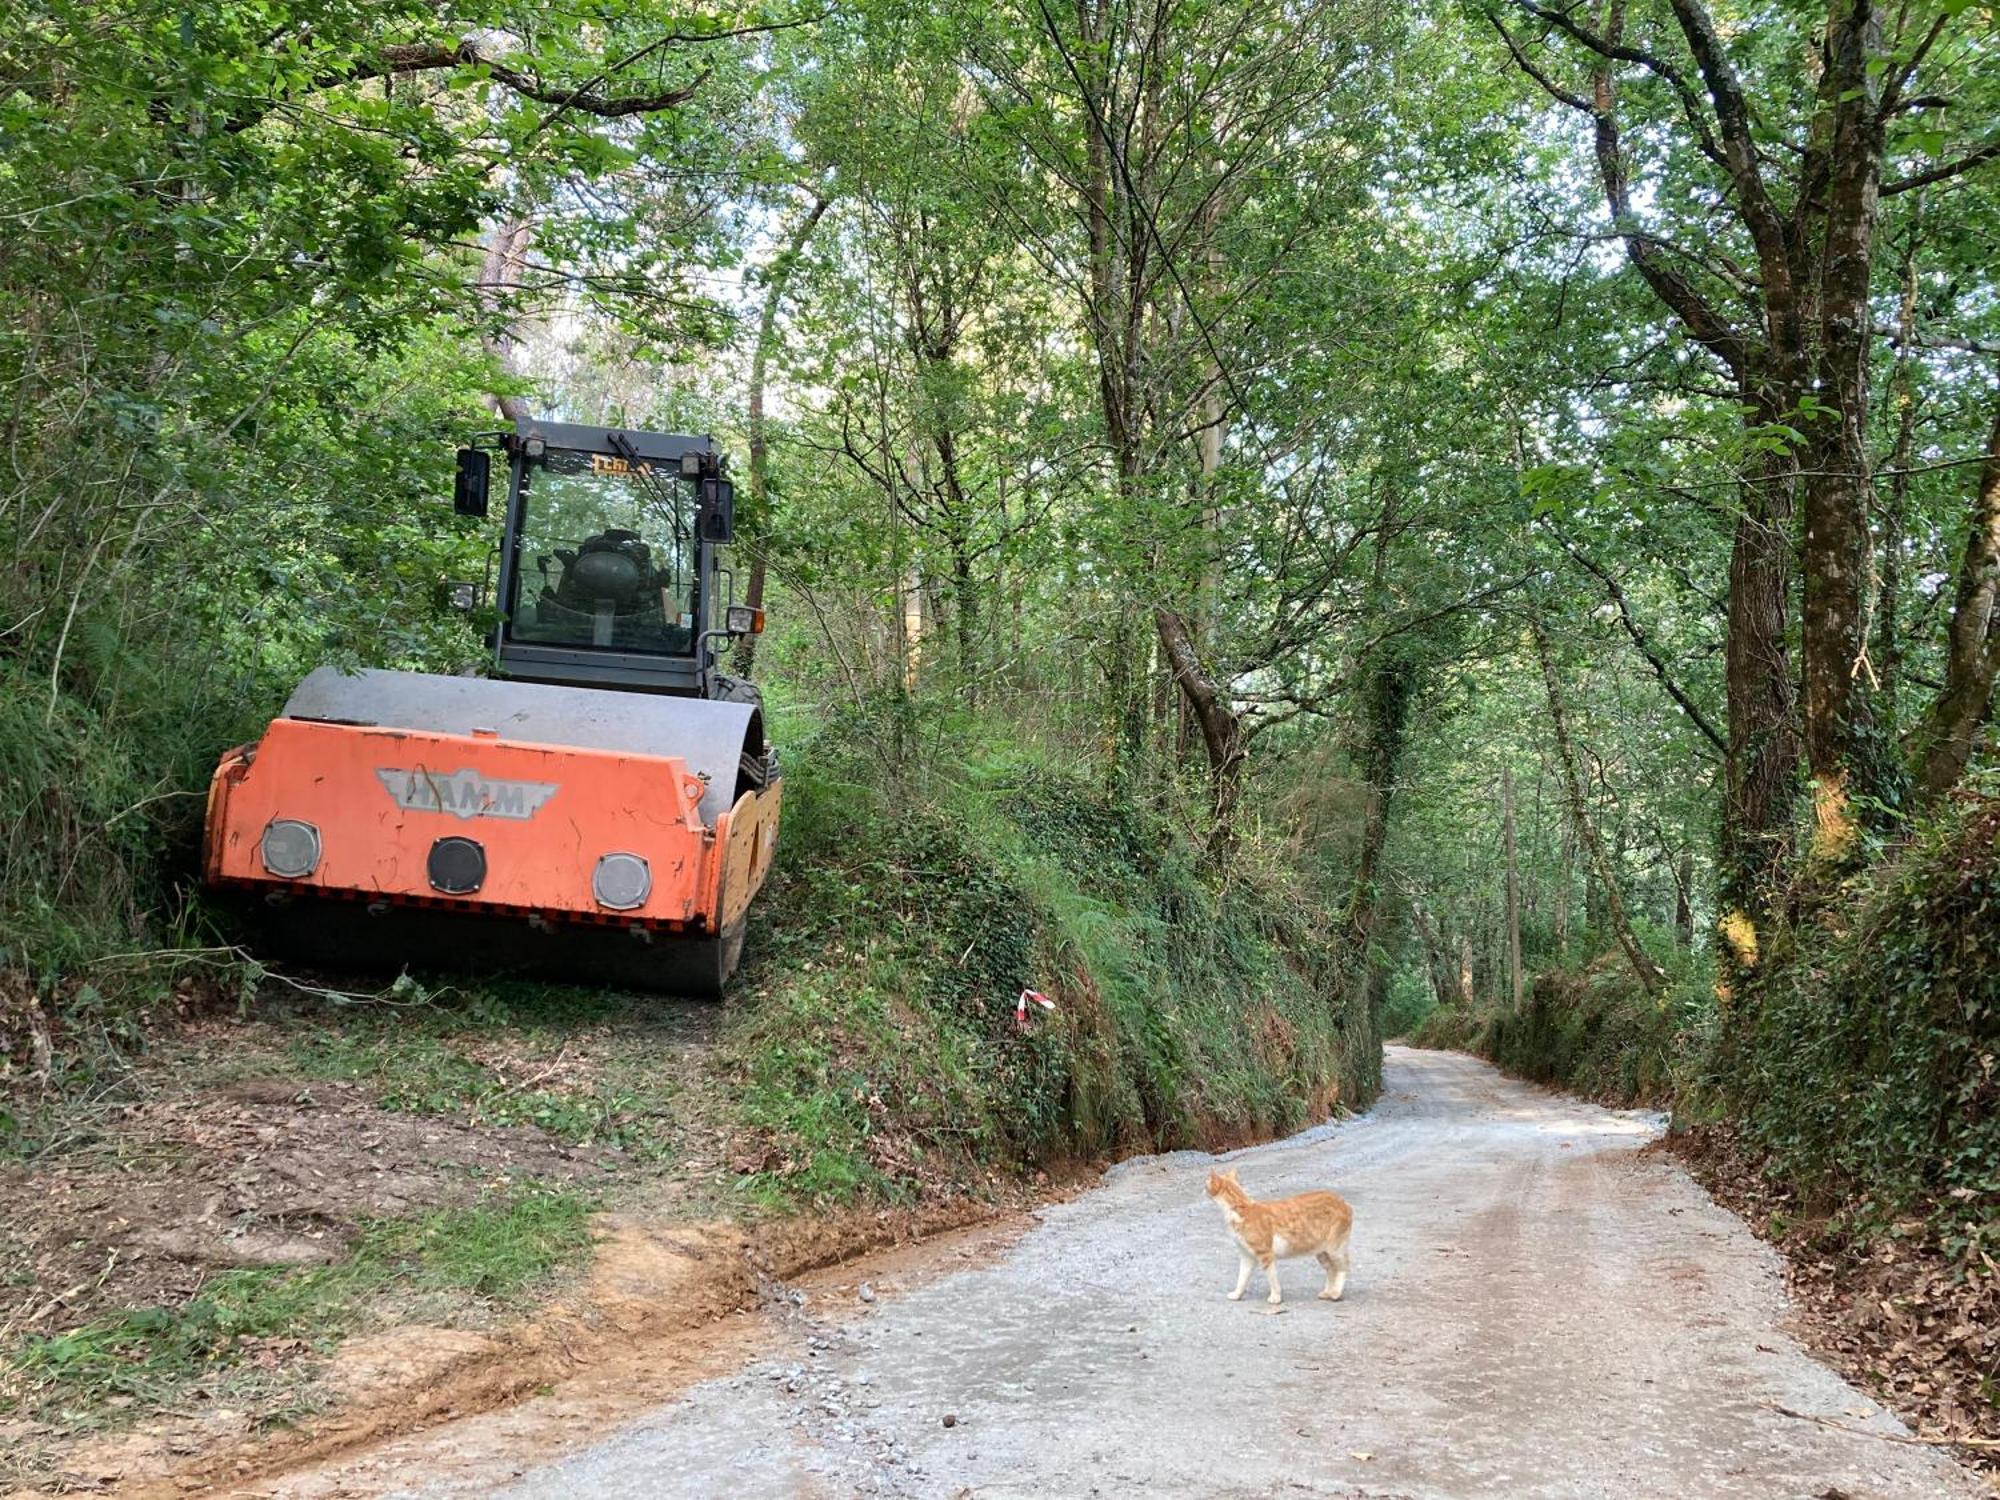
[[1865, 1056]]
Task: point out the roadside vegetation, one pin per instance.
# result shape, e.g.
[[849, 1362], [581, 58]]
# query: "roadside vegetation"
[[1855, 1068], [1843, 1101], [879, 1045], [207, 1209]]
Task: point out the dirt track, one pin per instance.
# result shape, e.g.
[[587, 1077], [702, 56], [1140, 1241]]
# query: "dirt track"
[[1536, 1309]]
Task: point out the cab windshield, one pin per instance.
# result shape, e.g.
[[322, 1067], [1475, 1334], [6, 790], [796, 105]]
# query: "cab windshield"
[[607, 555]]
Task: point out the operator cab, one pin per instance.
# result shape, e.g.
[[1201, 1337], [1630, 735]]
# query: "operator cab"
[[608, 574], [606, 556]]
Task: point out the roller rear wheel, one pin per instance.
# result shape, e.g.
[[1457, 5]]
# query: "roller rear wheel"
[[346, 935]]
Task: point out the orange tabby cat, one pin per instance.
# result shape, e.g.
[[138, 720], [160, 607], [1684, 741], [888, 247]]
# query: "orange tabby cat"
[[1314, 1224]]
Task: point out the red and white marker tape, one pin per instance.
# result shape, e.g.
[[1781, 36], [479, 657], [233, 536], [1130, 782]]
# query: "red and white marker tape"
[[1021, 1005]]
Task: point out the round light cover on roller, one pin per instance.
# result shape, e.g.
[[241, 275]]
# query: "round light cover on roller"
[[621, 882], [290, 848], [457, 866]]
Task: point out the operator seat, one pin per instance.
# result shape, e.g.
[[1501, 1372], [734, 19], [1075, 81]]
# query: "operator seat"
[[614, 565]]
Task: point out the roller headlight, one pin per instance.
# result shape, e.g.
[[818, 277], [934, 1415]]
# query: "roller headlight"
[[457, 866], [621, 882], [290, 848]]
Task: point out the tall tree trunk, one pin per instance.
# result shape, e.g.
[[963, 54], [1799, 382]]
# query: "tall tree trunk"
[[1513, 884], [1643, 968], [957, 527], [1438, 966], [1895, 513], [1565, 881], [1385, 728], [1221, 728], [1943, 743], [758, 486], [1846, 754], [499, 275], [1761, 768], [965, 612], [1386, 709]]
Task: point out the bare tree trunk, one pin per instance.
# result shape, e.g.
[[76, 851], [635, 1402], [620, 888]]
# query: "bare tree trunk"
[[1513, 884], [1903, 397], [1438, 966], [499, 274], [758, 487], [1944, 742], [965, 615], [1648, 975], [1565, 858], [910, 594]]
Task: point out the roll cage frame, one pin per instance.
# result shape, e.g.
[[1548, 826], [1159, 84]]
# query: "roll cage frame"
[[687, 456]]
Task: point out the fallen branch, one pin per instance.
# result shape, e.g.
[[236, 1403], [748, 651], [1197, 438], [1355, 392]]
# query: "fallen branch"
[[392, 993], [541, 1077], [1918, 1439]]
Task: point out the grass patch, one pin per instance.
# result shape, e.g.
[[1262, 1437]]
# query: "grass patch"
[[490, 1256], [813, 1089], [586, 1066]]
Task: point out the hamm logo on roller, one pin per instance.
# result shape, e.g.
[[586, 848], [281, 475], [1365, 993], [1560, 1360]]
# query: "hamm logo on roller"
[[464, 794]]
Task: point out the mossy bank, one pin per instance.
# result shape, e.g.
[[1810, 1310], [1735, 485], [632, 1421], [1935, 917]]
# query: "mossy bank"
[[879, 1042]]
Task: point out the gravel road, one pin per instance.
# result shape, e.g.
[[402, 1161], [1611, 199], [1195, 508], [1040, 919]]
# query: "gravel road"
[[1536, 1309]]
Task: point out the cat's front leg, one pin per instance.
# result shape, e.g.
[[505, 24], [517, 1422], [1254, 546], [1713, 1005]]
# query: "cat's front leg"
[[1243, 1264]]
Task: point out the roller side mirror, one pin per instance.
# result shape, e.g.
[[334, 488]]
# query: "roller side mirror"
[[717, 519], [468, 492]]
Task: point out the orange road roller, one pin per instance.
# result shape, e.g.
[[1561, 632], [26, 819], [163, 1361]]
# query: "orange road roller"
[[601, 808]]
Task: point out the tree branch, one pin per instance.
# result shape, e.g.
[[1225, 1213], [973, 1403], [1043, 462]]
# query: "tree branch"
[[1554, 90], [1892, 95], [1644, 644], [425, 57], [1739, 150], [1978, 156], [1915, 339], [1612, 49]]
